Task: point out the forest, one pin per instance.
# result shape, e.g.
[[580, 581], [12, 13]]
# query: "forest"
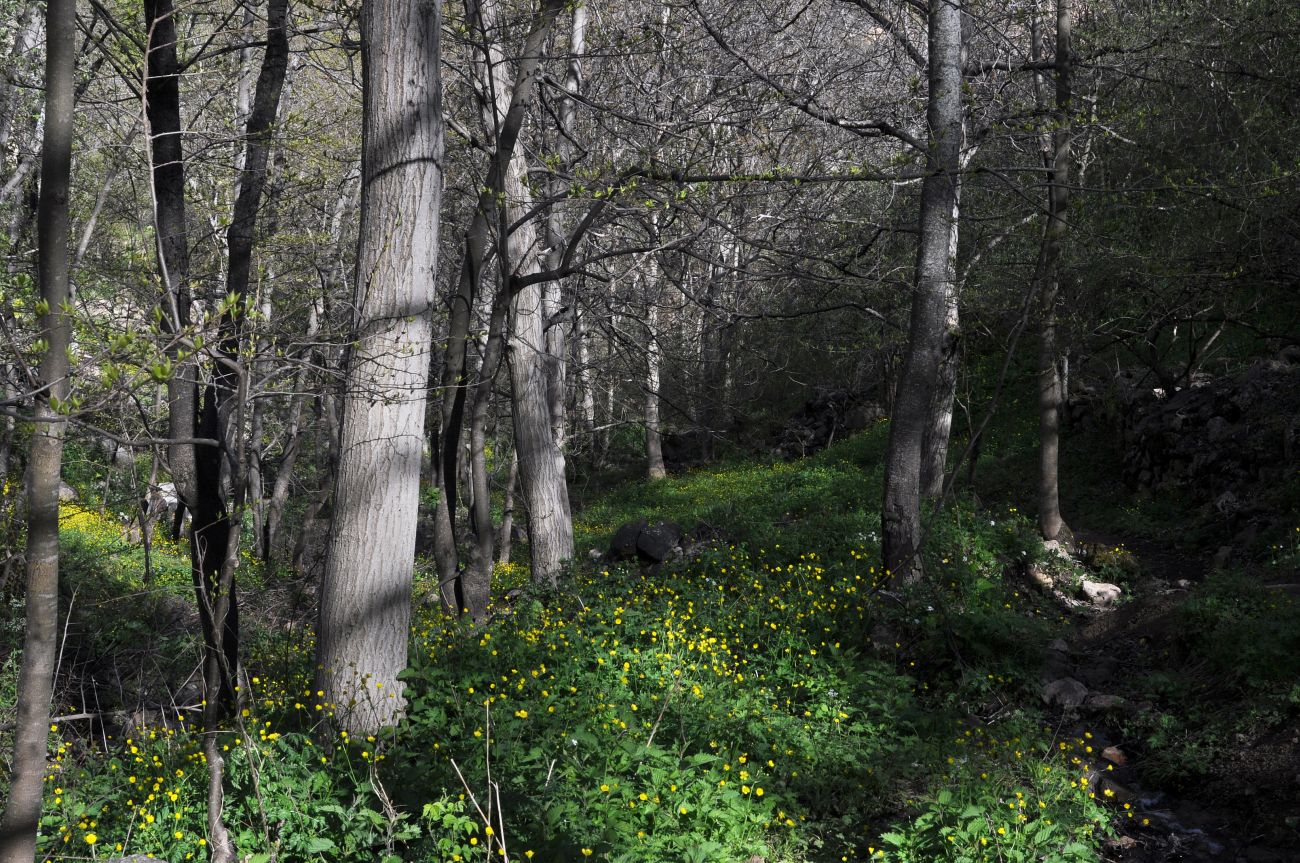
[[715, 431]]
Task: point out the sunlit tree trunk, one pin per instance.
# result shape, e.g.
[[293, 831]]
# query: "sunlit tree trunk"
[[45, 456], [552, 303], [541, 463], [365, 601]]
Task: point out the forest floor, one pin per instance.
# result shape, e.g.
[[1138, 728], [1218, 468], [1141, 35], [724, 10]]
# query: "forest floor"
[[763, 695], [1223, 782]]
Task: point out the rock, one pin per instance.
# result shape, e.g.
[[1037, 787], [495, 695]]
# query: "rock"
[[1114, 755], [1221, 557], [1040, 577], [1067, 693], [1102, 703], [1100, 593], [657, 542], [1058, 548], [67, 494], [623, 545], [1058, 645], [595, 555]]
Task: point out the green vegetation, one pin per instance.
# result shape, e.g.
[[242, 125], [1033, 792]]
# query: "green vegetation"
[[761, 696]]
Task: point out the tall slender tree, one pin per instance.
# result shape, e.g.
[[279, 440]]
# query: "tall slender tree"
[[45, 455], [935, 275], [1058, 159]]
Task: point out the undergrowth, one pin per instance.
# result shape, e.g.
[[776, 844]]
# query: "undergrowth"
[[763, 696]]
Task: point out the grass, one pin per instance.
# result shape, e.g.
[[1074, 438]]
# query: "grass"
[[759, 697]]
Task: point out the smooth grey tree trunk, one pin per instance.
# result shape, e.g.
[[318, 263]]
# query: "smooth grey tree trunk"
[[939, 430], [935, 273], [45, 455], [552, 303], [654, 447], [1059, 161], [366, 592], [541, 463]]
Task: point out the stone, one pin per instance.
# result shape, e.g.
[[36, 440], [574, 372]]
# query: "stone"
[[1103, 703], [1066, 692], [595, 555], [67, 494], [1114, 755], [1100, 593], [623, 545], [1040, 576], [1222, 557], [657, 542], [1058, 548], [1058, 645]]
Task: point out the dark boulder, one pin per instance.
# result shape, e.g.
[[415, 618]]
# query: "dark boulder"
[[624, 544], [657, 542]]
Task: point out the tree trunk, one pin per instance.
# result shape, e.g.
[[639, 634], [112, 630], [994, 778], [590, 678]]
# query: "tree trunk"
[[935, 272], [556, 240], [654, 448], [36, 674], [586, 383], [505, 540], [541, 463], [1059, 161], [365, 604], [167, 161], [939, 429], [477, 578]]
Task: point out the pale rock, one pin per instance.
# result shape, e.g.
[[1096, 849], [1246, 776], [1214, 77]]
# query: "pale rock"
[[1058, 548], [1100, 593]]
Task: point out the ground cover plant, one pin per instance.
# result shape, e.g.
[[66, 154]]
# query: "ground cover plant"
[[761, 696]]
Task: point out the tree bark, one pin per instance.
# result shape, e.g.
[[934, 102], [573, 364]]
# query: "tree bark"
[[541, 463], [1059, 161], [939, 430], [477, 577], [556, 241], [654, 447], [36, 674], [366, 593], [935, 273], [167, 161]]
